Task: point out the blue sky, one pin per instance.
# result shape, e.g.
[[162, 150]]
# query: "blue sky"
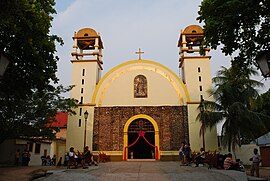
[[62, 5], [127, 25]]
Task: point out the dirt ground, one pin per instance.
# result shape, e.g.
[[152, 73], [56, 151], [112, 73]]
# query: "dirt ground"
[[25, 173], [264, 172], [22, 173]]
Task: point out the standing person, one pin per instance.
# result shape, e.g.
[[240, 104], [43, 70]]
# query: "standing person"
[[187, 154], [43, 160], [256, 159], [181, 154], [17, 157], [59, 162], [48, 160], [66, 159], [28, 158], [54, 160], [25, 157]]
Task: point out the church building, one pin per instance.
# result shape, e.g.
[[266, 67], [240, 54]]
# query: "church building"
[[139, 109]]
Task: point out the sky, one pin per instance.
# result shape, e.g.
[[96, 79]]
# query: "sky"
[[127, 25]]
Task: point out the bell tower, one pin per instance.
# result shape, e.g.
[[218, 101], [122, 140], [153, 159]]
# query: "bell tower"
[[86, 73], [194, 65]]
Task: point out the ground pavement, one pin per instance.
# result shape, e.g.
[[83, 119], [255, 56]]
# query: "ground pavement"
[[139, 171], [144, 171]]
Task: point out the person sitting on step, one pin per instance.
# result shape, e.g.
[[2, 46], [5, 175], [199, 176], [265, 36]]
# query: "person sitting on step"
[[229, 164], [200, 157], [73, 156], [88, 156]]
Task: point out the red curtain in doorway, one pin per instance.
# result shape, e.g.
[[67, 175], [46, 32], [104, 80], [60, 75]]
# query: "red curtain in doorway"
[[141, 134]]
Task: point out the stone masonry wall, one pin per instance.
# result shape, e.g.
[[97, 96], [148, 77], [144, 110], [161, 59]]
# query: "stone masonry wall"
[[109, 125]]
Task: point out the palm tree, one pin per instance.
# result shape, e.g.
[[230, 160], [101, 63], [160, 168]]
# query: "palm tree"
[[233, 94]]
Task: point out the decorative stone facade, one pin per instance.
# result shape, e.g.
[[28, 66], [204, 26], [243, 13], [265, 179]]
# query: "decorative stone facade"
[[109, 122]]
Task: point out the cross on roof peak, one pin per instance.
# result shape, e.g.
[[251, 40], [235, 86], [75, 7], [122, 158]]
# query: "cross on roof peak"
[[140, 52]]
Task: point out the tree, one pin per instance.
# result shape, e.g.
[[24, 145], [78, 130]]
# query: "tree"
[[241, 26], [243, 29], [30, 117], [262, 105], [233, 94], [25, 39], [28, 97]]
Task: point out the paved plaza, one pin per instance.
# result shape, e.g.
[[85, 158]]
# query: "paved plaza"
[[143, 171]]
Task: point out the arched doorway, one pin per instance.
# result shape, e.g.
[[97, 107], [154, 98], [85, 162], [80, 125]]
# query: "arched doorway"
[[141, 138]]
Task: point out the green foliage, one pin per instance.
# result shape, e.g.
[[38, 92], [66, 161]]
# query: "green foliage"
[[234, 93], [242, 28], [262, 105], [239, 25], [29, 116], [28, 100], [25, 39]]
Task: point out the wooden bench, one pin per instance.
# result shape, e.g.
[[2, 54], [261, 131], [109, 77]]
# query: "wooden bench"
[[211, 159], [75, 161], [72, 162], [102, 157], [91, 160]]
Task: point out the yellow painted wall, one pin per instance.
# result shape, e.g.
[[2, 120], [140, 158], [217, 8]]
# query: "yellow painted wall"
[[90, 79], [191, 74], [116, 89], [192, 77], [75, 133], [117, 86], [194, 132]]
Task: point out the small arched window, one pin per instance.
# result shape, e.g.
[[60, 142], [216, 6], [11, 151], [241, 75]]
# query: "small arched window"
[[140, 86]]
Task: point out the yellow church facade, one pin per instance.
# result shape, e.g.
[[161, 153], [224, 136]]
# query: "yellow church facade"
[[139, 109]]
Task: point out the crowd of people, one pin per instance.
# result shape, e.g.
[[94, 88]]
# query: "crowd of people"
[[81, 158], [185, 153], [230, 164], [86, 157], [185, 156], [226, 161], [48, 161]]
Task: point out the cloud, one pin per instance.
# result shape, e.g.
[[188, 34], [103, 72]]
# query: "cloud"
[[126, 25]]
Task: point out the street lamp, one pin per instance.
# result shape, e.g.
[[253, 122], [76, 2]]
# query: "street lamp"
[[4, 61], [263, 61], [85, 118], [201, 106]]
